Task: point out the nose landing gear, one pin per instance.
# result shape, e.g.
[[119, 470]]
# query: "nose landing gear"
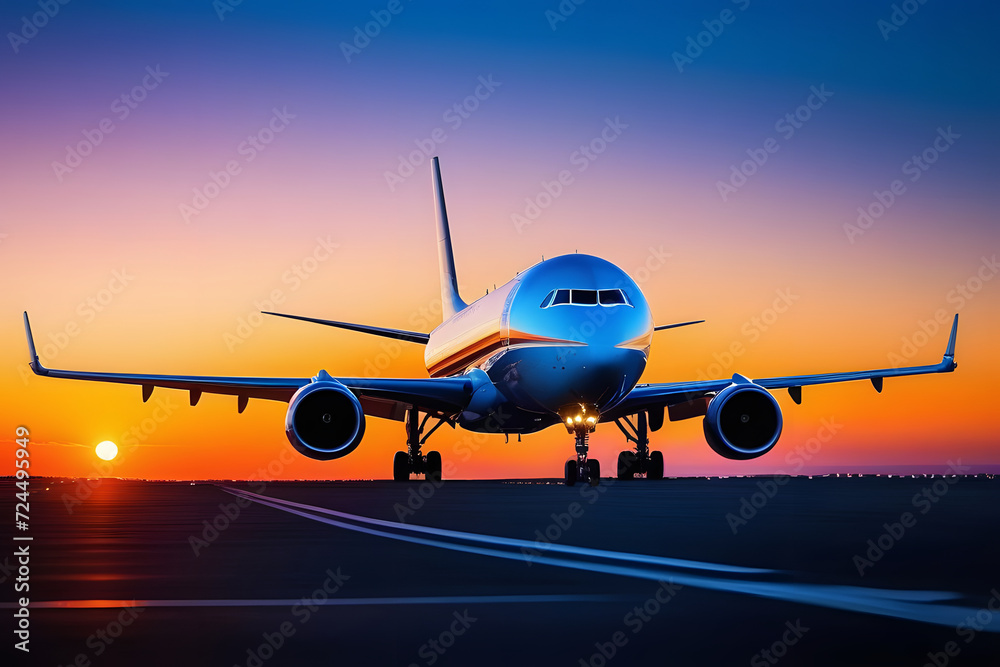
[[581, 468], [640, 461]]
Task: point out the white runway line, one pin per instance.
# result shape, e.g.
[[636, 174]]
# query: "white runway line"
[[328, 602], [512, 542], [904, 604]]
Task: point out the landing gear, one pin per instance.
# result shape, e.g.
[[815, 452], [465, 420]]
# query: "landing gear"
[[641, 461], [412, 462], [400, 467], [581, 468]]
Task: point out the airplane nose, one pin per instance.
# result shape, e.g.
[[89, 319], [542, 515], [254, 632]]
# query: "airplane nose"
[[602, 372]]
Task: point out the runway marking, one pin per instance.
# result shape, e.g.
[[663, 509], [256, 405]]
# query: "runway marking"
[[904, 604], [512, 542], [328, 602]]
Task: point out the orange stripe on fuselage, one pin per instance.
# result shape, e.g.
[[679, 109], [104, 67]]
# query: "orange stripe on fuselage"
[[485, 347]]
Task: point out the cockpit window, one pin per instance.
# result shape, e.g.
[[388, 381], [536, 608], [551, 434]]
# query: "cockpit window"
[[612, 297], [585, 297]]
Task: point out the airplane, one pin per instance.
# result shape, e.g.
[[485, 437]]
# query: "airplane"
[[564, 342]]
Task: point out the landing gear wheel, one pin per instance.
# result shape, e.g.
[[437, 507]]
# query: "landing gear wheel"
[[433, 471], [571, 472], [594, 471], [401, 467], [655, 466], [627, 465]]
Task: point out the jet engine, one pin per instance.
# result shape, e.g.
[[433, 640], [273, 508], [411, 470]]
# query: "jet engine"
[[324, 420], [743, 421]]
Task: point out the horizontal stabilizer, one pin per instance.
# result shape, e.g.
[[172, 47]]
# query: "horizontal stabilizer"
[[398, 334], [674, 326]]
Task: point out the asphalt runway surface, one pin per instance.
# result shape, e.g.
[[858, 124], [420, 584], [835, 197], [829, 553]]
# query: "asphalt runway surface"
[[700, 571]]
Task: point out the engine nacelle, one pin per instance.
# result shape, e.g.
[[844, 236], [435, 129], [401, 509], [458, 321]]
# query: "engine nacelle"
[[743, 422], [324, 420]]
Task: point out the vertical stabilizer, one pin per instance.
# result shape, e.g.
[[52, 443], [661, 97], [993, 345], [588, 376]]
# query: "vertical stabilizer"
[[451, 302]]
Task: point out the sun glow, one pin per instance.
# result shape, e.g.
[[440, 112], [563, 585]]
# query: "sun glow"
[[107, 450]]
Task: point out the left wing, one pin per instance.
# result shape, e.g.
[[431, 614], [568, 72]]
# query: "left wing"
[[668, 394], [379, 397]]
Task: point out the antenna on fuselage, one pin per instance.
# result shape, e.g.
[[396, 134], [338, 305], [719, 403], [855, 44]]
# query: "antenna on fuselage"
[[451, 302]]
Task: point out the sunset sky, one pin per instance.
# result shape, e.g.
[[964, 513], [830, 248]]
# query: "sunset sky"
[[169, 168]]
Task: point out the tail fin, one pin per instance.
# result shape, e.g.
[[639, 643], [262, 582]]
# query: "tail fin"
[[451, 302]]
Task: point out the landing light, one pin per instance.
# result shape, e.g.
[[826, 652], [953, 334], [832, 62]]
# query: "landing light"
[[579, 418], [569, 421]]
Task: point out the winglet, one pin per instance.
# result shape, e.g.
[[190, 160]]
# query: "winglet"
[[949, 353], [33, 361], [451, 302]]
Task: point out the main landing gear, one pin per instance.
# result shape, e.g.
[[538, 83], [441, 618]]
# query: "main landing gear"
[[640, 461], [412, 462]]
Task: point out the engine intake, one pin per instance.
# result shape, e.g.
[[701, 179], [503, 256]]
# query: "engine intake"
[[743, 422], [324, 420]]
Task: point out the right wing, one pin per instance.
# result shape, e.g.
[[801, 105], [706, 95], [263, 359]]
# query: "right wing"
[[380, 397], [671, 394]]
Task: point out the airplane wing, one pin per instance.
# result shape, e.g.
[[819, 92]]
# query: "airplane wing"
[[380, 397], [674, 394]]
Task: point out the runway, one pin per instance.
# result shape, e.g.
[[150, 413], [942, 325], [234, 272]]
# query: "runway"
[[685, 571]]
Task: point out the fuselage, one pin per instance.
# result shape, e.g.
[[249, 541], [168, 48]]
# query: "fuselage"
[[570, 331]]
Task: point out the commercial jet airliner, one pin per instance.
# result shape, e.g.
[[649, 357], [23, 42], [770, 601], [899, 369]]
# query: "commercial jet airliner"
[[564, 342]]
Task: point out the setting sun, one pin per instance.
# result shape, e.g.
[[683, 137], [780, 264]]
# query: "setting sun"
[[107, 450]]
